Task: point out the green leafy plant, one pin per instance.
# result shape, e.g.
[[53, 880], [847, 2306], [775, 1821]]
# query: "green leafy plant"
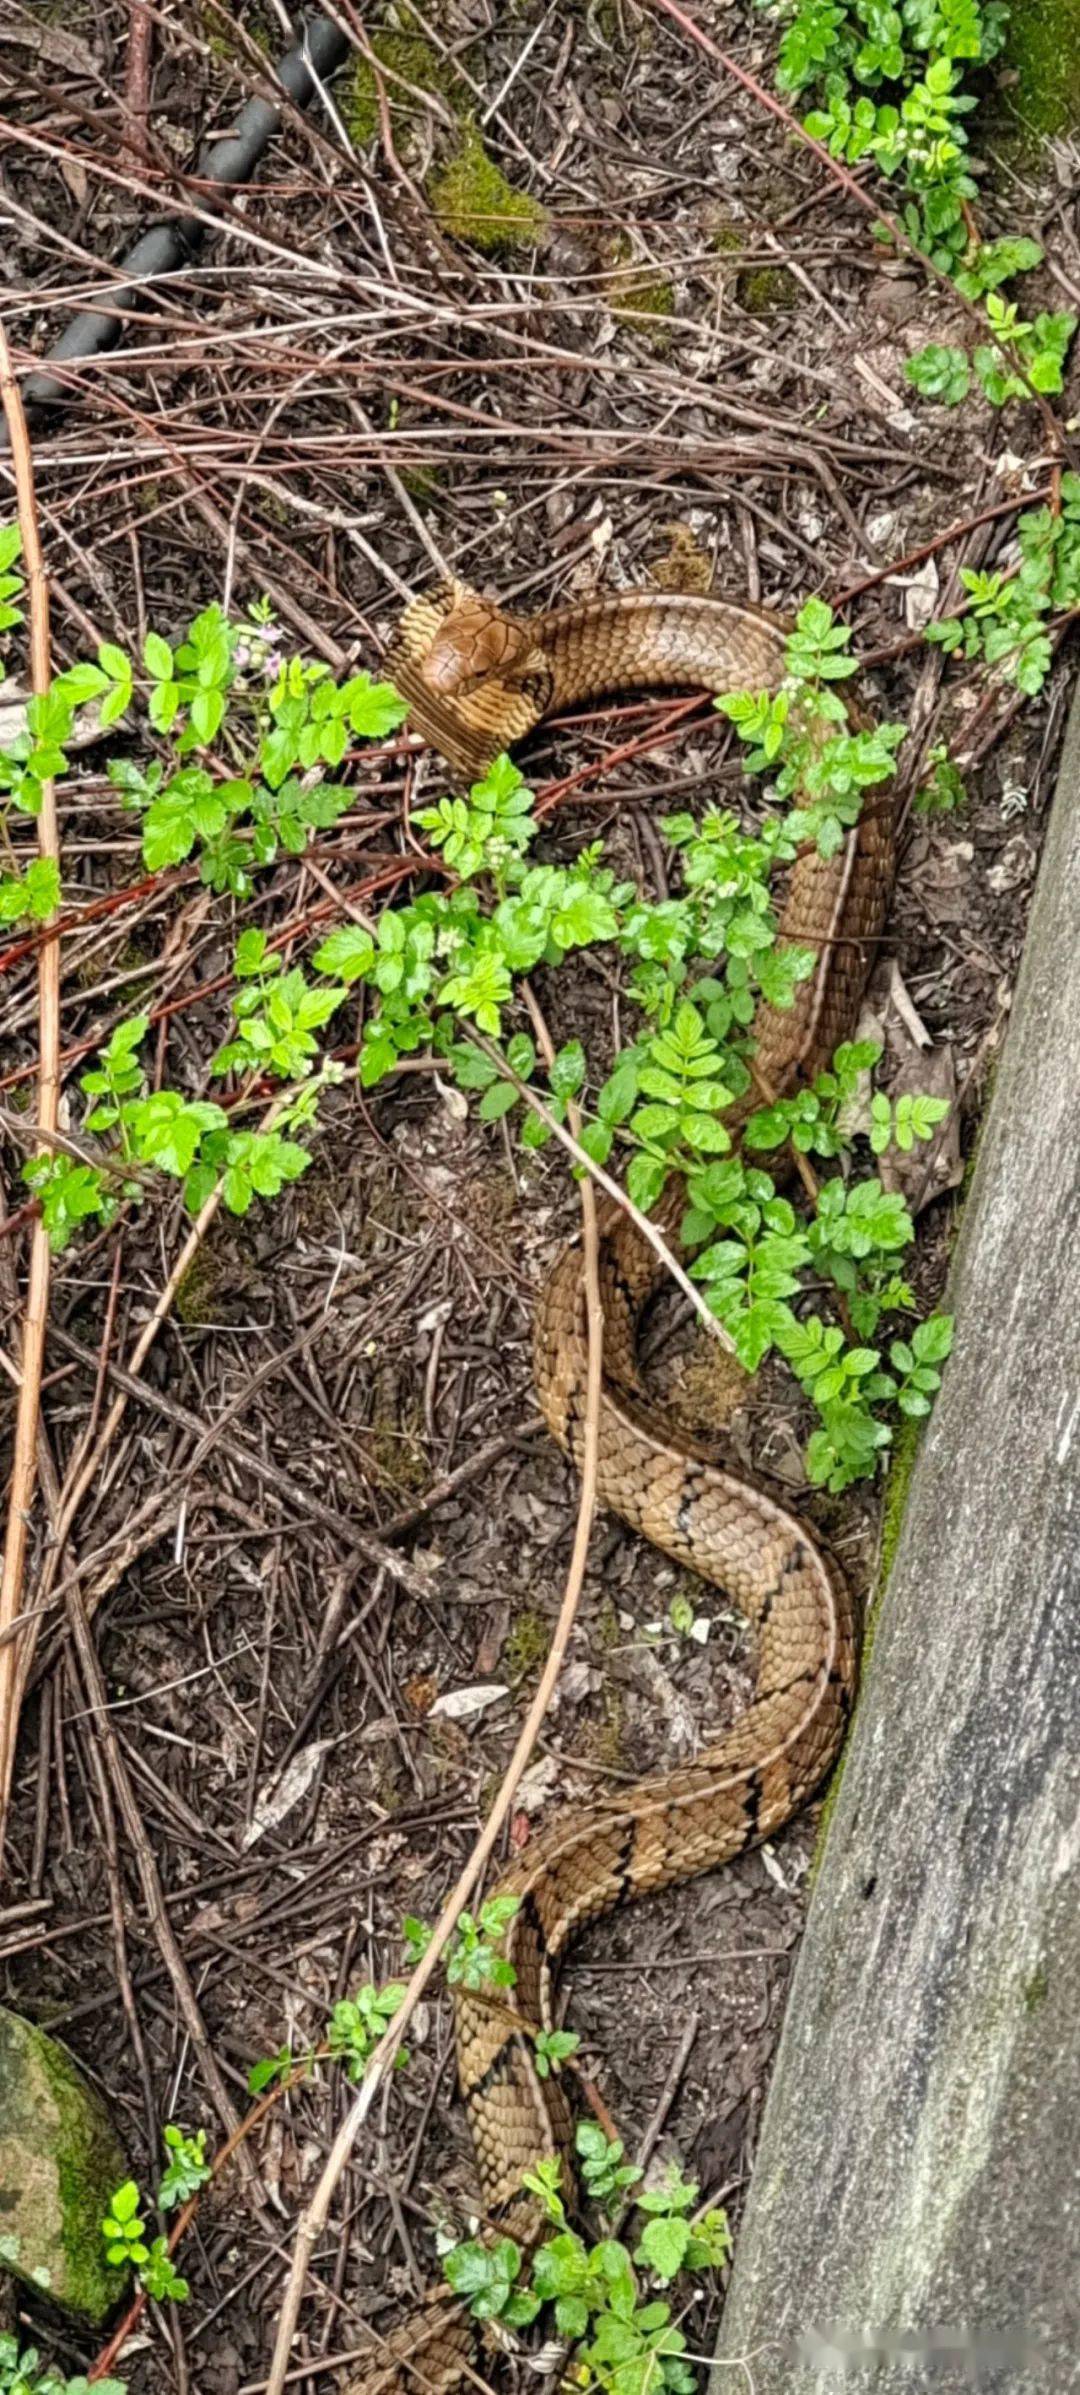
[[11, 581], [474, 1960], [890, 84], [277, 1014], [353, 2031], [251, 737], [811, 1119], [939, 372], [123, 2228], [159, 1131], [32, 894], [485, 2276], [943, 790], [20, 2374], [158, 2277], [1004, 625], [480, 834], [282, 723], [187, 2169], [602, 2293], [899, 1123], [605, 2173], [551, 2048], [271, 2070], [670, 2240], [357, 2023]]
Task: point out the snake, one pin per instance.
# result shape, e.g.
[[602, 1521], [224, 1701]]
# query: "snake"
[[477, 679]]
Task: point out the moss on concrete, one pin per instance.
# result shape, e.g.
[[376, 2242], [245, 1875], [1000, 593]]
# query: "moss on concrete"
[[1036, 1989], [474, 202], [1043, 50], [901, 1466], [60, 2162]]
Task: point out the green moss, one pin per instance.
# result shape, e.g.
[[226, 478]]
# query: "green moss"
[[643, 305], [1036, 1989], [474, 202], [1043, 51], [407, 55], [59, 2164], [422, 483], [526, 1645], [766, 290], [607, 1629], [219, 42], [396, 1434], [213, 1268], [608, 1741], [901, 1466]]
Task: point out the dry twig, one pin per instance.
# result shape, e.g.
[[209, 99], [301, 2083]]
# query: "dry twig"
[[24, 1467], [313, 2218]]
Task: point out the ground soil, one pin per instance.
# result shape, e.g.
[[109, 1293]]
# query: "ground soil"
[[342, 397]]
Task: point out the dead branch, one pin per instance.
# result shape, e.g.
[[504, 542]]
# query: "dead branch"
[[24, 1467], [314, 2217]]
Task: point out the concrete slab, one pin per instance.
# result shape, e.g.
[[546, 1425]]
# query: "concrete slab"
[[918, 2178]]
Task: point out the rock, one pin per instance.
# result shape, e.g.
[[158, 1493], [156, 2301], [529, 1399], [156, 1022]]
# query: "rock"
[[59, 2164], [914, 2214]]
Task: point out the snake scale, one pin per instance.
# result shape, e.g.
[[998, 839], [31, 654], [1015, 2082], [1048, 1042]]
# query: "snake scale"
[[477, 680]]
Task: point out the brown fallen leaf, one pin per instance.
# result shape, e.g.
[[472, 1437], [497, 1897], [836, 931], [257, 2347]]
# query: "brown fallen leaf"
[[933, 1165]]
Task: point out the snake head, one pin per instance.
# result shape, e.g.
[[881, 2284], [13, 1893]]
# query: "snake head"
[[474, 644]]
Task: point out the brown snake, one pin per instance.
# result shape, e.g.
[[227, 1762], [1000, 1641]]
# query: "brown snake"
[[478, 680]]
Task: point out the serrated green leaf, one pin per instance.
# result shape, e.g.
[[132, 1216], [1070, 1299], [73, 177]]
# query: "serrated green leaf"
[[645, 1179], [662, 2248], [568, 1070], [157, 657]]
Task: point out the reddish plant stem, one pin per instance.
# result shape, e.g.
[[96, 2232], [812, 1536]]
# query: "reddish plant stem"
[[137, 82], [941, 540]]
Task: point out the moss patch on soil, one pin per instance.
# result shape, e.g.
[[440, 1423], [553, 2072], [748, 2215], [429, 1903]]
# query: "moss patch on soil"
[[474, 202], [214, 1269], [395, 1438], [643, 305], [526, 1645], [411, 57], [766, 290]]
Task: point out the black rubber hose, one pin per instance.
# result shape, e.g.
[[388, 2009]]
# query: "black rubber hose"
[[176, 241]]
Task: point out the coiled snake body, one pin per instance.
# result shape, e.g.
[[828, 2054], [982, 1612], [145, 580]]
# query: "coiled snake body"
[[477, 680]]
